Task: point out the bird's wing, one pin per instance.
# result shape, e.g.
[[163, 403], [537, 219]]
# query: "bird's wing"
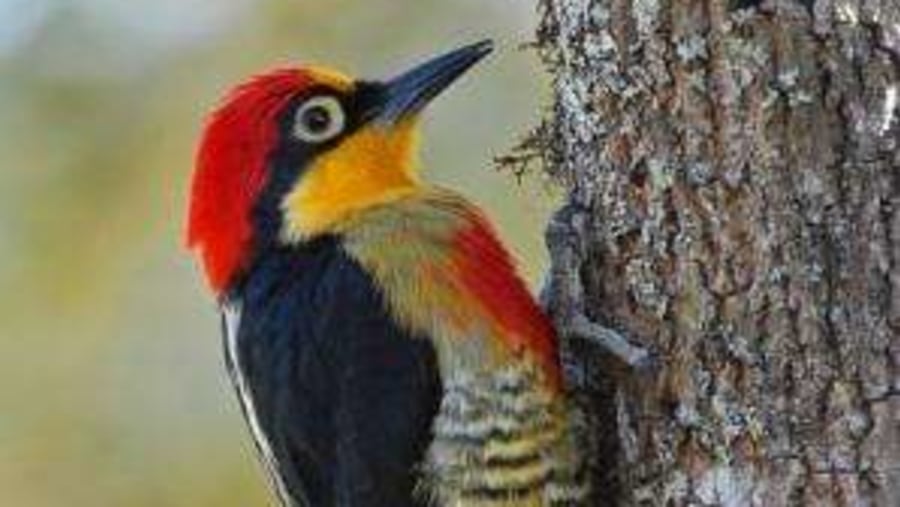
[[231, 325], [342, 396], [387, 391]]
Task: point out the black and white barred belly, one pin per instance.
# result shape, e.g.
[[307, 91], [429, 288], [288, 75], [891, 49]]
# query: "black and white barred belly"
[[502, 439]]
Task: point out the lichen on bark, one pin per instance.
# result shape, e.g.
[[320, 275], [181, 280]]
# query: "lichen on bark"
[[733, 179]]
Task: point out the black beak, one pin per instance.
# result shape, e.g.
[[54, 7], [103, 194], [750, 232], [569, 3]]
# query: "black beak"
[[411, 91]]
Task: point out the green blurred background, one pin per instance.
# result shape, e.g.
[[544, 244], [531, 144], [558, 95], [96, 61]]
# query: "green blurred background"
[[111, 387]]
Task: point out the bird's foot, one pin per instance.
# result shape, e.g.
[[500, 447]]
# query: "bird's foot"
[[563, 294], [637, 358]]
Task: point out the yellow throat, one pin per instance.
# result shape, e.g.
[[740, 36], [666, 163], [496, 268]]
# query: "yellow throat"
[[375, 165]]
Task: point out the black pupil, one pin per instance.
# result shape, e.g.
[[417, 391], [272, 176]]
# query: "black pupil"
[[316, 119]]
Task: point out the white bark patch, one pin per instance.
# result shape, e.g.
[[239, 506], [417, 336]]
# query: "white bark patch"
[[692, 48], [890, 109], [847, 13], [727, 487]]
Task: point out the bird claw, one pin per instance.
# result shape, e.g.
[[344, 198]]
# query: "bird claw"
[[635, 357], [563, 294]]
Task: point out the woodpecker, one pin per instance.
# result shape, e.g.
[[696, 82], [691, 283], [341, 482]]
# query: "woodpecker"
[[384, 350]]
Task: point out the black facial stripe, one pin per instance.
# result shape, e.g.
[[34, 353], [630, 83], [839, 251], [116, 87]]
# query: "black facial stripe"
[[367, 100]]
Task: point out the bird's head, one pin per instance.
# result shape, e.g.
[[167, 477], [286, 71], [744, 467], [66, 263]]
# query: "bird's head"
[[292, 153]]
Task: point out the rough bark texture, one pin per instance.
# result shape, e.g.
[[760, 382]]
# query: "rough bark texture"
[[733, 176]]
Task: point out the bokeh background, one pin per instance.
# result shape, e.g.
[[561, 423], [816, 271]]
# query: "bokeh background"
[[111, 386]]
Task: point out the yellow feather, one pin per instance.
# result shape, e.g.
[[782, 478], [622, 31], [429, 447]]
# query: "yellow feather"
[[372, 166], [330, 78]]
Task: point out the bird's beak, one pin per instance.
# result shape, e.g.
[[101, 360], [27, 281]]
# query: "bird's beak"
[[412, 90]]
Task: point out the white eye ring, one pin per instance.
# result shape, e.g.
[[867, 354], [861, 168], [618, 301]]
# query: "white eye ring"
[[319, 119]]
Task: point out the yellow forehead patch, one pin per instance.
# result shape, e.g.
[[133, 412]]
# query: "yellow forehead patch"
[[330, 78], [375, 165]]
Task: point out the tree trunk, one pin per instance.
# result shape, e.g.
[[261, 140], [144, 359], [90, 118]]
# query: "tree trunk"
[[733, 178]]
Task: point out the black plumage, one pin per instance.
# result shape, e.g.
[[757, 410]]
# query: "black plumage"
[[344, 396]]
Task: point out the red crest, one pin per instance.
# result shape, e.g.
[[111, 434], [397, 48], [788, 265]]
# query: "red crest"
[[230, 171]]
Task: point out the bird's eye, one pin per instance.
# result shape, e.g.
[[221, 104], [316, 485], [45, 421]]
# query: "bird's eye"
[[319, 119]]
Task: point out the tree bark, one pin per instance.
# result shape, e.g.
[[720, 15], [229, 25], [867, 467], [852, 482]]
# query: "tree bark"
[[733, 179]]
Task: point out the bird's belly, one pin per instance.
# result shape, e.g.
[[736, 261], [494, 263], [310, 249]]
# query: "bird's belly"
[[501, 439]]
